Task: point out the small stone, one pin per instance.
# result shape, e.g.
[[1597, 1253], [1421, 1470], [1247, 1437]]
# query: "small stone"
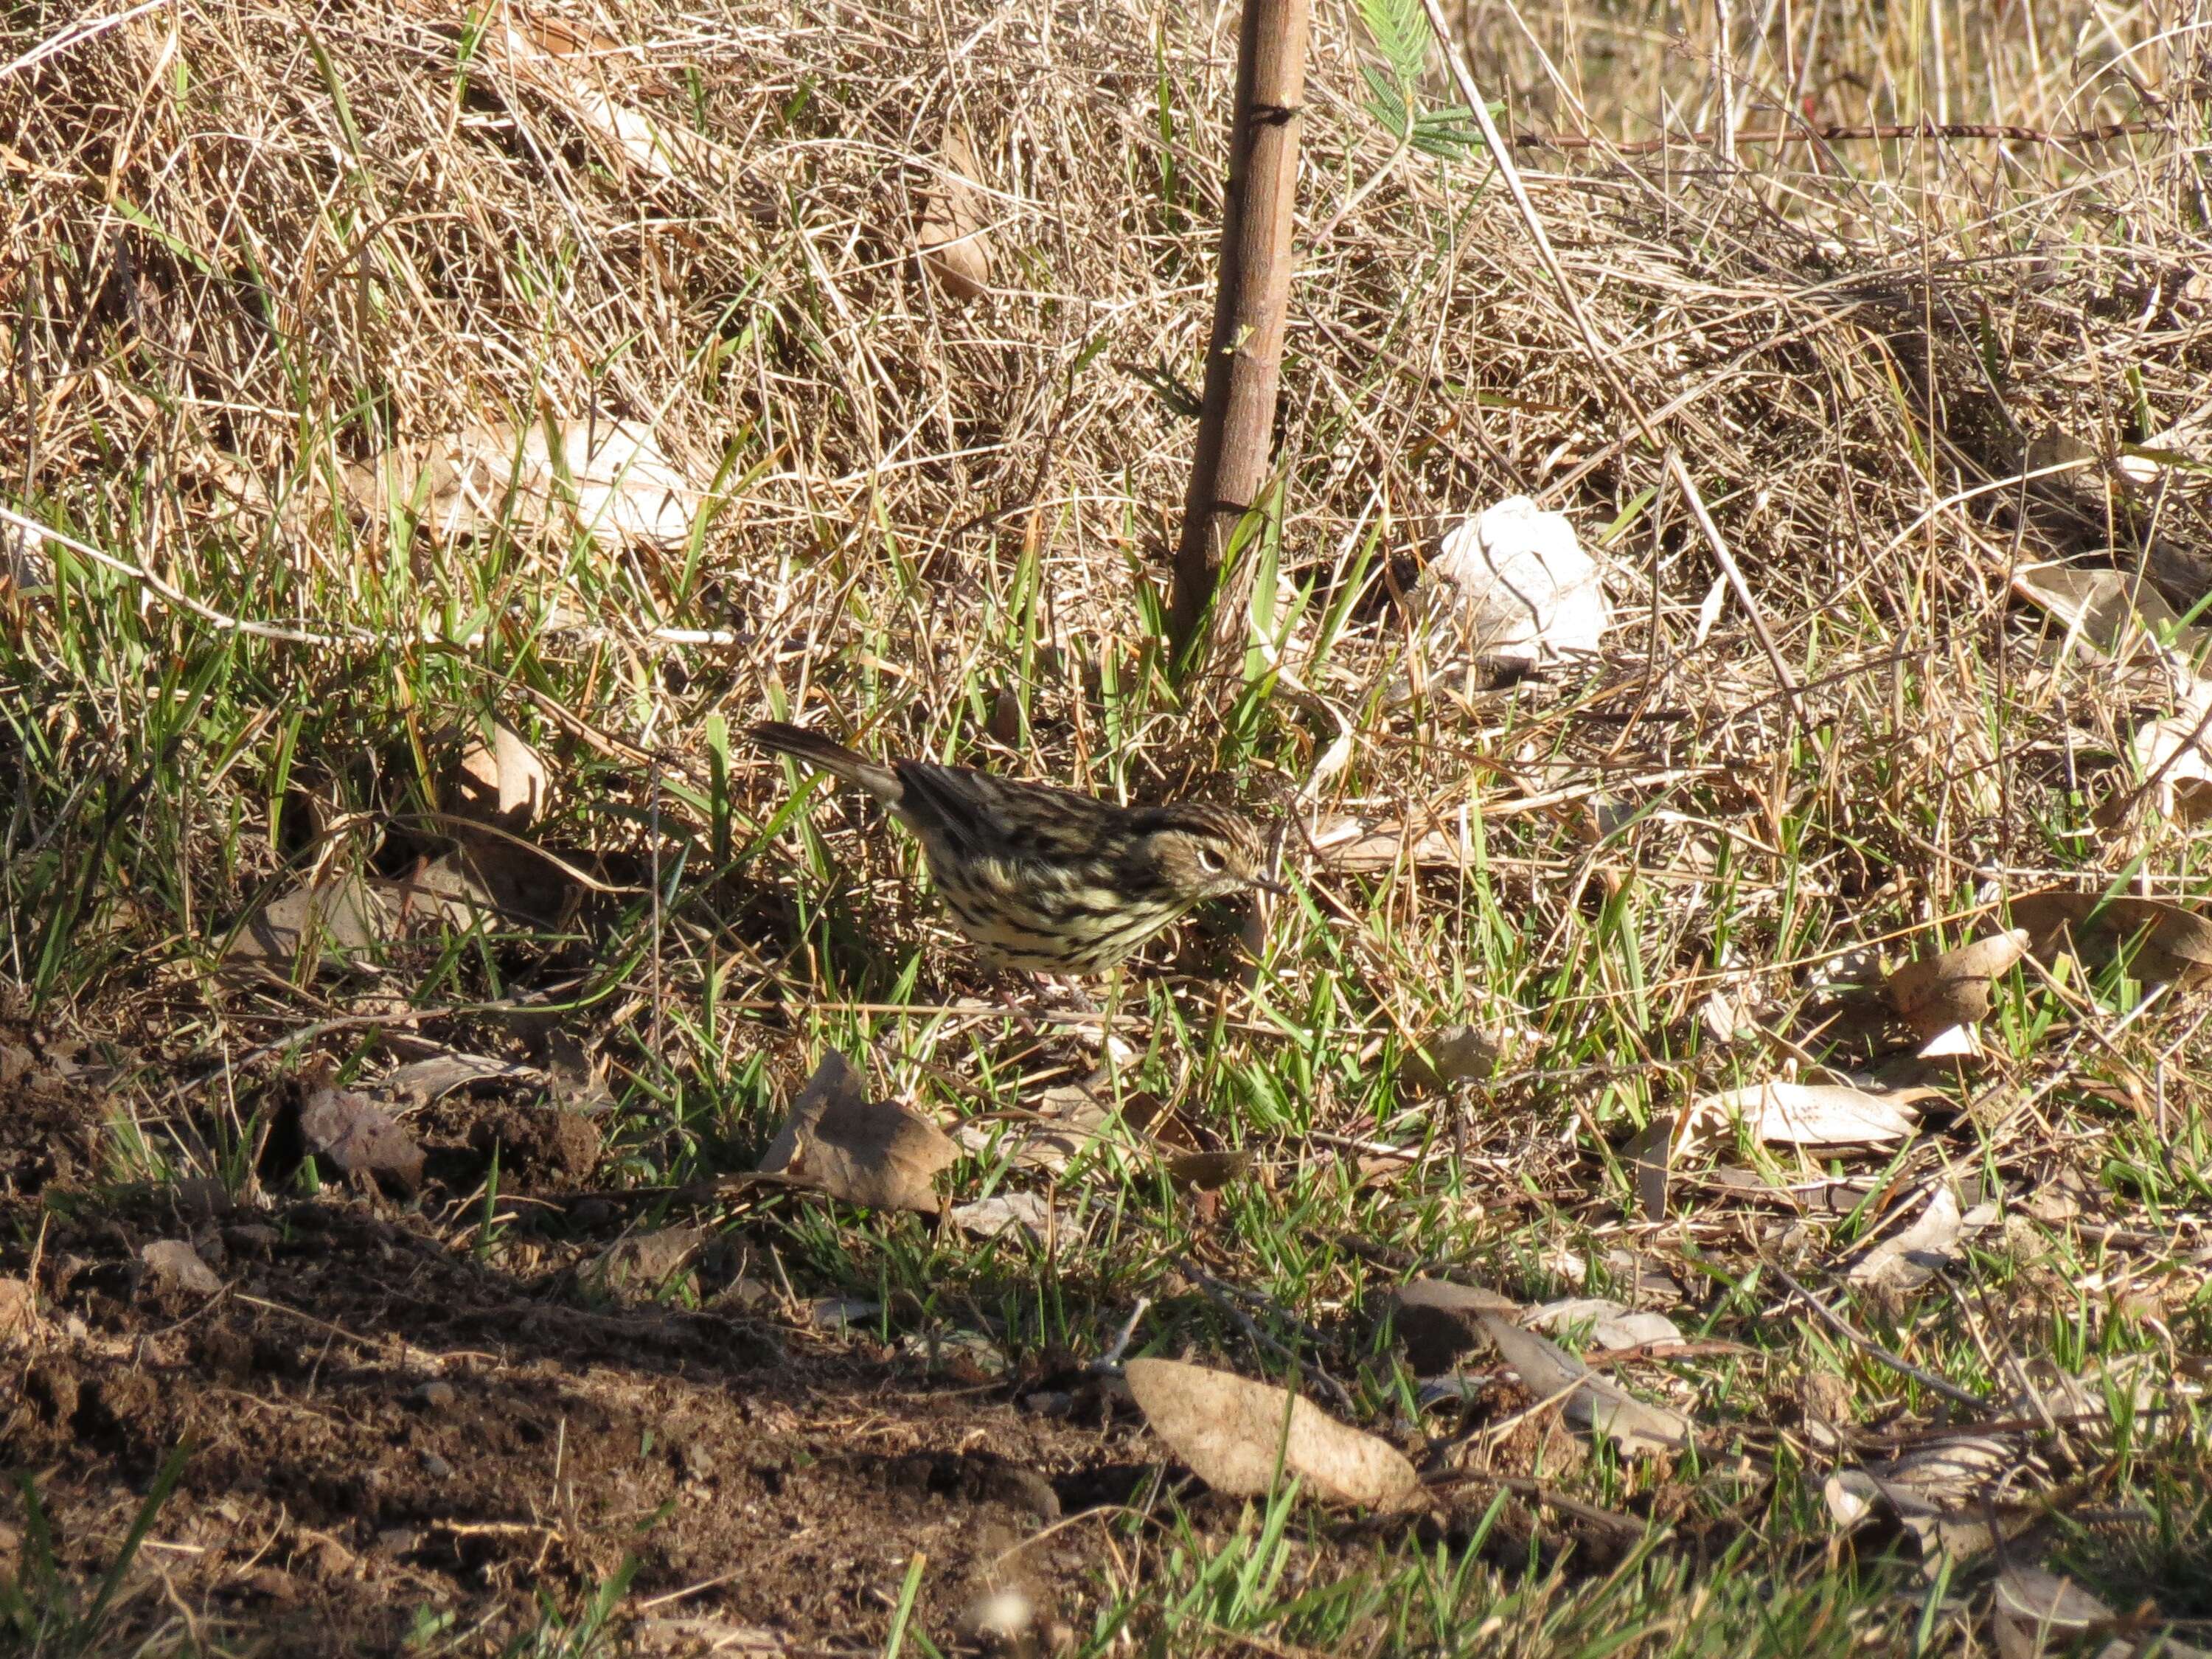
[[173, 1264], [326, 1559], [201, 1196], [437, 1467], [742, 1293], [271, 1583], [434, 1396], [593, 1213], [19, 1309], [1022, 1489], [998, 1615]]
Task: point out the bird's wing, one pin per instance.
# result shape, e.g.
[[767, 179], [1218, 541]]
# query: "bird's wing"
[[980, 815]]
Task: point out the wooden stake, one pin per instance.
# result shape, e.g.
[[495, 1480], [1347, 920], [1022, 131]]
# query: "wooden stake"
[[1243, 359]]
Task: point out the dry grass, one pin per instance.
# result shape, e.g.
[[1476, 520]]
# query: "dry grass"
[[250, 250]]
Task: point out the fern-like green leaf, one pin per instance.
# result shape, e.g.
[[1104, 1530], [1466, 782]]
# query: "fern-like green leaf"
[[1400, 32], [1394, 103], [1450, 133]]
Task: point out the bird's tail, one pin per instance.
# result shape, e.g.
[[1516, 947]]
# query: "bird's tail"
[[780, 738]]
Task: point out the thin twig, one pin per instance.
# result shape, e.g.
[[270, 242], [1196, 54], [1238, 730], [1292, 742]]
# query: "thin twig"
[[1224, 1296], [1844, 133], [354, 639], [162, 590], [1842, 1328], [1111, 1359], [77, 34]]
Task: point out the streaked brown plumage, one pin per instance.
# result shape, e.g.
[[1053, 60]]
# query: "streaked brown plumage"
[[1043, 878]]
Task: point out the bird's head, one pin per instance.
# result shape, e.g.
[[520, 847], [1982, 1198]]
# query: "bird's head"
[[1206, 852]]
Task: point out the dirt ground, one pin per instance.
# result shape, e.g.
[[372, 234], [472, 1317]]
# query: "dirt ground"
[[393, 1441], [386, 1434]]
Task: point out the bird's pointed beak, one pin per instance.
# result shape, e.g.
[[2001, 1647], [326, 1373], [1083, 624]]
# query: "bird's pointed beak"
[[1274, 887]]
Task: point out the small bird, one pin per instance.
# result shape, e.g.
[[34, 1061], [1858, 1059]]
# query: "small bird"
[[1044, 879]]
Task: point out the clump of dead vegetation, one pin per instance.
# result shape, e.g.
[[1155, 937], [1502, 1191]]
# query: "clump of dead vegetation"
[[428, 436]]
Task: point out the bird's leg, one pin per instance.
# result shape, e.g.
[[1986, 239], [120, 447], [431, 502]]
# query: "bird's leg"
[[1075, 997], [1109, 1048], [1008, 984], [1061, 990]]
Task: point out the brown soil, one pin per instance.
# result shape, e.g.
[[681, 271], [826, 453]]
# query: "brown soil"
[[393, 1433], [385, 1431]]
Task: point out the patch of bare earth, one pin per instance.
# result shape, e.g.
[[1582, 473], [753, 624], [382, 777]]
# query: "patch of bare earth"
[[386, 1434]]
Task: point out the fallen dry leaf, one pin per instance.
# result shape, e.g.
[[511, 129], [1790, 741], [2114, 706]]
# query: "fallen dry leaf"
[[1591, 1401], [1025, 1213], [577, 1078], [1612, 1324], [1454, 1053], [566, 63], [2049, 1392], [1234, 1434], [955, 242], [338, 920], [643, 1265], [489, 881], [2033, 1612], [2115, 614], [1650, 1155], [1071, 1119], [609, 478], [1789, 1113], [1912, 1257], [2170, 942], [838, 1313], [356, 1136], [2173, 757], [1946, 1494], [1952, 988], [19, 1309], [837, 1142], [1357, 846], [501, 783], [423, 1081], [1512, 584], [1210, 1172], [1953, 1042]]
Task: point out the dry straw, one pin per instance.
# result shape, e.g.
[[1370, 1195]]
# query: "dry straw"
[[252, 248]]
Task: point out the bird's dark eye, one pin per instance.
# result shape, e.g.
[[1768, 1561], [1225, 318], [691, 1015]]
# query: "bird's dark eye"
[[1210, 861]]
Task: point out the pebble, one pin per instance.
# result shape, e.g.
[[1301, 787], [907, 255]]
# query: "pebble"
[[999, 1616]]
